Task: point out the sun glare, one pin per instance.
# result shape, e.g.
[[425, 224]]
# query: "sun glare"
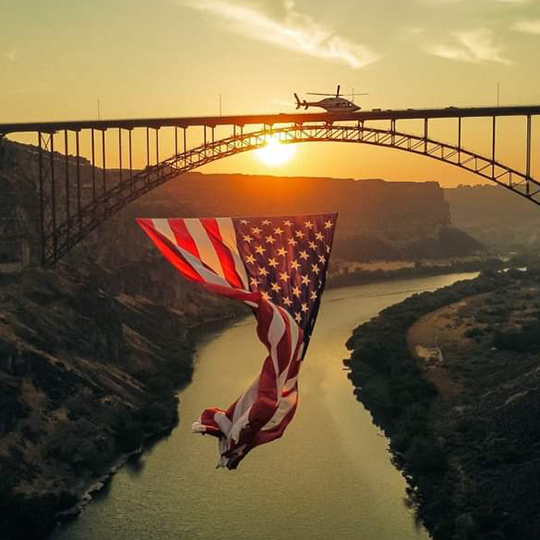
[[274, 153]]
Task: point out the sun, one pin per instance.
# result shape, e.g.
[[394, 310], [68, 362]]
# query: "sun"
[[275, 153]]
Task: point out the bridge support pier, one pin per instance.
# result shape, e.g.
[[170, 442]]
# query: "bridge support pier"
[[528, 153]]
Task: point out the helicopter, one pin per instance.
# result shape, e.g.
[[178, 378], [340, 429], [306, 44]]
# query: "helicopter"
[[336, 103]]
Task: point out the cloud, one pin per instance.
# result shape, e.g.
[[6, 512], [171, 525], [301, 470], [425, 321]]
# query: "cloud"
[[528, 27], [11, 55], [297, 31], [413, 31], [473, 46]]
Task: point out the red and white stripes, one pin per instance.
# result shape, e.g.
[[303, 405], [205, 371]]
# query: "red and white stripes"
[[206, 251]]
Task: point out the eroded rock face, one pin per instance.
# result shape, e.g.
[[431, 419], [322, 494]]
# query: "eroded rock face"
[[11, 222], [84, 376]]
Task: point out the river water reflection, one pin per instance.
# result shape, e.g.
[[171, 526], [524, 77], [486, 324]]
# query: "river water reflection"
[[330, 476]]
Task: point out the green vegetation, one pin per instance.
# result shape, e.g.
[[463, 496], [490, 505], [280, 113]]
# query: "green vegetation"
[[524, 339], [389, 383]]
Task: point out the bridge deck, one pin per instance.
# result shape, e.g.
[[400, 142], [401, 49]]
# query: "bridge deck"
[[272, 119]]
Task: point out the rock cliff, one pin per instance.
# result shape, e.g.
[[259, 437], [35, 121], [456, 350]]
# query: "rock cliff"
[[378, 219], [496, 217]]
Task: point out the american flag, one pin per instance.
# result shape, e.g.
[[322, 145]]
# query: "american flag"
[[277, 266]]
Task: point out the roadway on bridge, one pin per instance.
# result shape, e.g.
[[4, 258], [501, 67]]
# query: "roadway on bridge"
[[272, 119]]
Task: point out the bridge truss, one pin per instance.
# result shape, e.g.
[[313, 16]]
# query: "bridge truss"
[[71, 206]]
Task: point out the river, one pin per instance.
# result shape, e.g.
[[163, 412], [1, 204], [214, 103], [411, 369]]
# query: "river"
[[330, 476]]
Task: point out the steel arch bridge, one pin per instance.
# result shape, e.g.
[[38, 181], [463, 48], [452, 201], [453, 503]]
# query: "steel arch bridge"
[[67, 217]]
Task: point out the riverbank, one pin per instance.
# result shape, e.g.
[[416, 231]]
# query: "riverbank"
[[448, 377], [87, 376], [331, 441], [94, 486]]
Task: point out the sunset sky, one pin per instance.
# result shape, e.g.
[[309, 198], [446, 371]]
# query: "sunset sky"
[[174, 58]]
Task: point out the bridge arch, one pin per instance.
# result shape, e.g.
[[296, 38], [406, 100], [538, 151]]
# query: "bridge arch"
[[71, 231]]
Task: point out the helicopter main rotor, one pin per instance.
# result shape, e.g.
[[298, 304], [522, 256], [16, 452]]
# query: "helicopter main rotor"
[[337, 94]]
